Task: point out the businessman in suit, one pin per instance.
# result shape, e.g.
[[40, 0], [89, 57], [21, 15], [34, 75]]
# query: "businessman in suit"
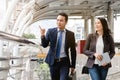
[[58, 58]]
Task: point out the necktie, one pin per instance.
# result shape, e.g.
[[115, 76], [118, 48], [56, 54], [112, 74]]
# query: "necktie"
[[59, 44]]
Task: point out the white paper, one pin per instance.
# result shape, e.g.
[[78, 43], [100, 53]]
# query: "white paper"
[[106, 59]]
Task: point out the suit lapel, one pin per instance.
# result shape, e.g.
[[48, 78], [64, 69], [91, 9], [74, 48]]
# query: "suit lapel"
[[66, 38], [55, 35]]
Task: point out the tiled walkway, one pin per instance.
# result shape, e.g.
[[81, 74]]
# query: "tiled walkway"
[[113, 74]]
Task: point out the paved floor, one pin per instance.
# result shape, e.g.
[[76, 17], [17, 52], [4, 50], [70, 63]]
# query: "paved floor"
[[113, 74]]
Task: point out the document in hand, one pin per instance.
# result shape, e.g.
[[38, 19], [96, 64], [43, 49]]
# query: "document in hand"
[[106, 59]]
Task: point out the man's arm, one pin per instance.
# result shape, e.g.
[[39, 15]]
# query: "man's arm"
[[73, 53], [44, 39]]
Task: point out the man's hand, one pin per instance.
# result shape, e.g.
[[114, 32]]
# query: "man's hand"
[[72, 71], [42, 31]]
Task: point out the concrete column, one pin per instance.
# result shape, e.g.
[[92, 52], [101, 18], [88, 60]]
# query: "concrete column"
[[23, 20], [26, 10], [19, 19], [1, 48], [5, 63], [26, 25], [3, 26], [16, 52], [110, 17], [85, 28], [8, 14], [5, 4], [92, 24], [26, 75]]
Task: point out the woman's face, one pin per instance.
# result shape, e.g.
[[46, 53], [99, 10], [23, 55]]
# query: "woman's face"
[[98, 25]]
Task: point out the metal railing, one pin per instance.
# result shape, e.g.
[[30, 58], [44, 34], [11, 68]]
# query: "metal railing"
[[26, 50]]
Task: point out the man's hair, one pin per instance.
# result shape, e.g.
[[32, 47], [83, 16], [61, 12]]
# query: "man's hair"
[[65, 15]]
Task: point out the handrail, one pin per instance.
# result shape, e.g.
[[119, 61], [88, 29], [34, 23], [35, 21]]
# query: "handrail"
[[11, 37], [14, 57]]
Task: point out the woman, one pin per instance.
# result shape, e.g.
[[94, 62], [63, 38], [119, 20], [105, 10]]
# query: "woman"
[[98, 44]]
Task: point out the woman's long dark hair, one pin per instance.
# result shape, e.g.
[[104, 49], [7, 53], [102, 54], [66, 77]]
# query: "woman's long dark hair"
[[106, 30]]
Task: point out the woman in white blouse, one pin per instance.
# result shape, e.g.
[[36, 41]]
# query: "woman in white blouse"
[[99, 48]]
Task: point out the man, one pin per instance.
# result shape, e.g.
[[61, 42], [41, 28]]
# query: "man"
[[60, 64]]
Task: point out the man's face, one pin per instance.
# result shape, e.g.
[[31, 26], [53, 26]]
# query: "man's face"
[[61, 22]]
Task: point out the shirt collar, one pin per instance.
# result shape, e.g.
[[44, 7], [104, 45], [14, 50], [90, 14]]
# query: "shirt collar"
[[59, 30]]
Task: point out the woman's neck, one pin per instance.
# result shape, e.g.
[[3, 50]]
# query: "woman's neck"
[[100, 33]]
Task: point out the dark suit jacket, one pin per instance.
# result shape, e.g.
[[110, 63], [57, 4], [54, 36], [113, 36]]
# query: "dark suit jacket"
[[90, 48], [51, 39]]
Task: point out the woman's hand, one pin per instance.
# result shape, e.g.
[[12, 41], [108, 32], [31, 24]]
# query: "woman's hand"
[[98, 56], [104, 64]]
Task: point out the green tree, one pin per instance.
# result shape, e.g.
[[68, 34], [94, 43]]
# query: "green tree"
[[29, 36]]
